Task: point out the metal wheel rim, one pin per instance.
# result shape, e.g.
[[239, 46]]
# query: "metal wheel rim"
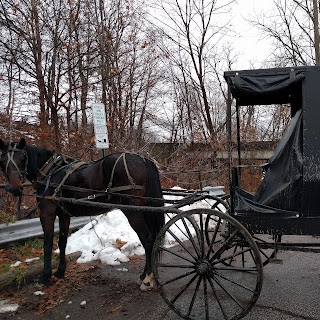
[[205, 282]]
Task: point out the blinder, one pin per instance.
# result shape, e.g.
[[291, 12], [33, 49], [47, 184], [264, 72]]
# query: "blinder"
[[10, 159]]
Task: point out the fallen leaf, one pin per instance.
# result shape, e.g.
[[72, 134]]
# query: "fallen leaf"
[[120, 243]]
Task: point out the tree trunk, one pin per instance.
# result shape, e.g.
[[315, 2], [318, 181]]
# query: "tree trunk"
[[316, 30], [37, 44]]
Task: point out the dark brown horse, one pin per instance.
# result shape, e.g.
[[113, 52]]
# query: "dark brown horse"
[[125, 179]]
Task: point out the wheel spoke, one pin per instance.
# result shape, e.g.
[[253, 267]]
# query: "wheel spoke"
[[213, 239], [182, 244], [217, 298], [231, 281], [231, 256], [228, 293], [191, 237], [206, 305], [201, 236], [167, 265], [183, 289], [223, 248], [194, 296], [233, 268], [178, 278], [176, 254]]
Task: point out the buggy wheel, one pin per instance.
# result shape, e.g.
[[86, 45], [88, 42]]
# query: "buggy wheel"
[[188, 263], [266, 245], [264, 242], [220, 204]]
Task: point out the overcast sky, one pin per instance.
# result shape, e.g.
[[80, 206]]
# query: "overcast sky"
[[248, 41]]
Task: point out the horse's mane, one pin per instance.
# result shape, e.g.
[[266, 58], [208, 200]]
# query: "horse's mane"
[[36, 159]]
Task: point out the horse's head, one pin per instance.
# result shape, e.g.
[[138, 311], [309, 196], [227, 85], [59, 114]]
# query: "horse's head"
[[14, 162]]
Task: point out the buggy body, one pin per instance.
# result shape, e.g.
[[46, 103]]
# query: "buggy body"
[[286, 200]]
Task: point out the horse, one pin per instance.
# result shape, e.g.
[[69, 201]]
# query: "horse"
[[126, 179]]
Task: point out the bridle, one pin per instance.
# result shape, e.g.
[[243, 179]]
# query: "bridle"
[[10, 159], [22, 173]]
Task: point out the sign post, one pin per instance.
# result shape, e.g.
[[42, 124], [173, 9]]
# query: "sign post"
[[100, 126]]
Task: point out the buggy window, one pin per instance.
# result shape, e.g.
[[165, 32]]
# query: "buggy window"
[[282, 183]]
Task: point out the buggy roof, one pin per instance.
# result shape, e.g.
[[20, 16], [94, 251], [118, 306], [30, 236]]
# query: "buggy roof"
[[268, 86]]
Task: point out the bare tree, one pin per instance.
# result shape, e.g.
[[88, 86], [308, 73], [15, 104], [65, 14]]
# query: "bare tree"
[[194, 34], [127, 58], [294, 27]]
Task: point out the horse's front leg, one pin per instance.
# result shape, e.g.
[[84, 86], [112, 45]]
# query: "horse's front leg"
[[64, 223], [47, 218]]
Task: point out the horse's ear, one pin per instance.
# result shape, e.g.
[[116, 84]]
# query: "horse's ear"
[[22, 143], [1, 145]]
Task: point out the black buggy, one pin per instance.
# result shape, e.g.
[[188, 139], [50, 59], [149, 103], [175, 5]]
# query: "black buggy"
[[215, 269]]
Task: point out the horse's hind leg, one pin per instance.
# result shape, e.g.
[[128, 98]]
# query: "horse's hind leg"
[[139, 225], [47, 218], [64, 223]]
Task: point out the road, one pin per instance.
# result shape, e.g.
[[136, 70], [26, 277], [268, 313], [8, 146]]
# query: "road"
[[291, 290]]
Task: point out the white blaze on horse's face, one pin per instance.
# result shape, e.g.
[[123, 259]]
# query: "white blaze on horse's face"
[[13, 162]]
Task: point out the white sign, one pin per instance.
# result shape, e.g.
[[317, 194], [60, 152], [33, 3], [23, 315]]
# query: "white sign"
[[99, 114], [100, 126], [102, 141], [100, 129]]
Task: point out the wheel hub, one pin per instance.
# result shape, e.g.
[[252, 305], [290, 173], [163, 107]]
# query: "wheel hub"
[[203, 267]]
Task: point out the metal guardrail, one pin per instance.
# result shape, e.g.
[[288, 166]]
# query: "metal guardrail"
[[31, 228]]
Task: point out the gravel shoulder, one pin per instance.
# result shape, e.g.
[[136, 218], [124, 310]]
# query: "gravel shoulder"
[[89, 291]]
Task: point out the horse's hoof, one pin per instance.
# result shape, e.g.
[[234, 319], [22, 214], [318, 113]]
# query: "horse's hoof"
[[148, 283], [59, 274], [146, 286], [45, 280]]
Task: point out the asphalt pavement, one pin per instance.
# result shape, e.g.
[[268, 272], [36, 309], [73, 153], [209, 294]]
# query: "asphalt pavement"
[[291, 291]]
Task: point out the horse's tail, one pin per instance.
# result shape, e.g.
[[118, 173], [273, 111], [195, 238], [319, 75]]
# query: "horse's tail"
[[155, 221]]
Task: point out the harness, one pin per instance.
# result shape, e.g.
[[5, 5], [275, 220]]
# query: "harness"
[[58, 162], [72, 167], [132, 185], [55, 164]]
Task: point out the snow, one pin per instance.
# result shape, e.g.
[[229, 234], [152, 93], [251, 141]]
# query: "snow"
[[18, 263], [6, 306]]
